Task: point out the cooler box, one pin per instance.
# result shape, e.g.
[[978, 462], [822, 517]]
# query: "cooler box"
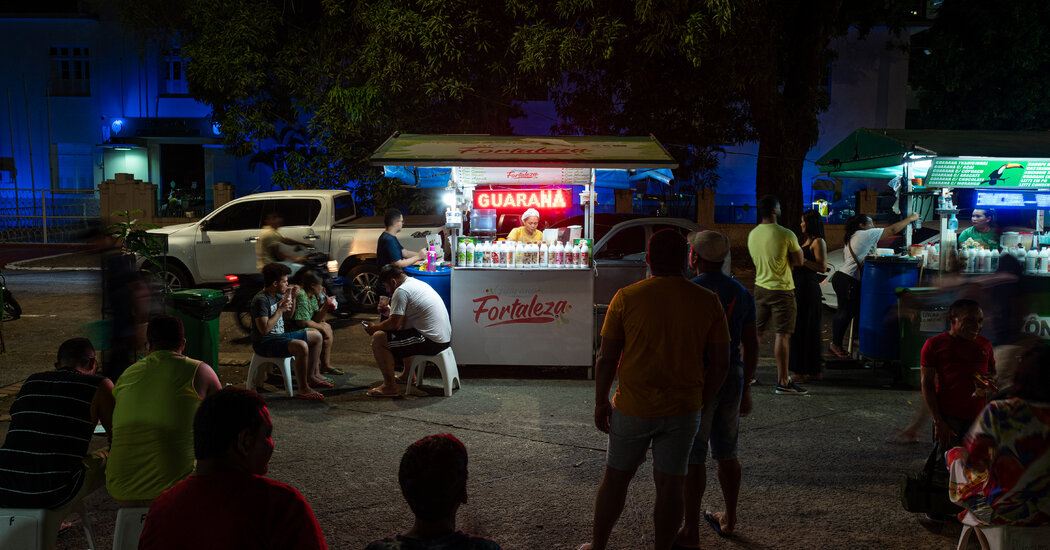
[[879, 330], [199, 310], [440, 281]]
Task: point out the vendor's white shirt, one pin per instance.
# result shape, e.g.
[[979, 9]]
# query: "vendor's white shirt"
[[863, 242], [423, 310]]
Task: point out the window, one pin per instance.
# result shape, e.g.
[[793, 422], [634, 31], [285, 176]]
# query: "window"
[[344, 208], [625, 242], [237, 217], [296, 211], [173, 71], [70, 71]]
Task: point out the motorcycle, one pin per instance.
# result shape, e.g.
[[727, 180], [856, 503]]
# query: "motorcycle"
[[12, 310], [249, 284]]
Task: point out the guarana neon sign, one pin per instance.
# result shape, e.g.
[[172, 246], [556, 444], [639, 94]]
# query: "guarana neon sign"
[[537, 198]]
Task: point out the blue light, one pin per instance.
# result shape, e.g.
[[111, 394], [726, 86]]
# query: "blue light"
[[216, 129], [116, 126]]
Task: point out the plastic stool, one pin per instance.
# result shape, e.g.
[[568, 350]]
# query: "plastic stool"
[[446, 363], [284, 364], [997, 537], [31, 528], [129, 528]]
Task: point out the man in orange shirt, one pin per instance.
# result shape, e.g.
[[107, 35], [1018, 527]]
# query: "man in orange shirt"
[[656, 337]]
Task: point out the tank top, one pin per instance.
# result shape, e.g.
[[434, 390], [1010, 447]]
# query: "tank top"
[[152, 426], [41, 462]]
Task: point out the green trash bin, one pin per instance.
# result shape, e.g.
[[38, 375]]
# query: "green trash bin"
[[923, 313], [199, 310]]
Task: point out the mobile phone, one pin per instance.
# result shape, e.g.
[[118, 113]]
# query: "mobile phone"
[[364, 323]]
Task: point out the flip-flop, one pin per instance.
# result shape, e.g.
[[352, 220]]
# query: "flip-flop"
[[312, 396], [374, 392], [332, 370], [322, 384], [713, 522], [839, 354]]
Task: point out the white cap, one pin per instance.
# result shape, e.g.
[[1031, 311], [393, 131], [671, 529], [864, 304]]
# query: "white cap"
[[529, 213]]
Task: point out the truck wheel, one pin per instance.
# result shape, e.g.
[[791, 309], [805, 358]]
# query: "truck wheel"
[[361, 288], [175, 278]]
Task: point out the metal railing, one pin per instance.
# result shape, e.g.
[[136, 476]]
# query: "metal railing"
[[46, 216]]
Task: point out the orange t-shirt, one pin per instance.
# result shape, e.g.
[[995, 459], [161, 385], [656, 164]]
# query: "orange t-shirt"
[[666, 324]]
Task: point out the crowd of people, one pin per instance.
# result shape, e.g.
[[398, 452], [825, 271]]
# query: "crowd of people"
[[683, 353]]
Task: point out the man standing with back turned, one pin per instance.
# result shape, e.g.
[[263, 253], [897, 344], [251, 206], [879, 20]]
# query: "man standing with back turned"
[[774, 250], [657, 331]]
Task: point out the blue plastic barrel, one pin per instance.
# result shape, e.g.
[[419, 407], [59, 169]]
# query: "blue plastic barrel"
[[879, 329], [440, 281]]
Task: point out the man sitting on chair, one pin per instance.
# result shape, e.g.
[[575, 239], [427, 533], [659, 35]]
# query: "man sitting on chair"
[[418, 325], [227, 503]]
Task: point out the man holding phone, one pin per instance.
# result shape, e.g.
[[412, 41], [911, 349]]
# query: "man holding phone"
[[270, 340]]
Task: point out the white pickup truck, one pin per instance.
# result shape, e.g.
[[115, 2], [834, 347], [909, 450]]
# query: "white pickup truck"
[[204, 252]]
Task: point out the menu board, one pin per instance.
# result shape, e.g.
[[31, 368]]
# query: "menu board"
[[989, 172]]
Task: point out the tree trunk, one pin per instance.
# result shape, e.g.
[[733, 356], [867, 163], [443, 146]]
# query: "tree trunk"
[[779, 172]]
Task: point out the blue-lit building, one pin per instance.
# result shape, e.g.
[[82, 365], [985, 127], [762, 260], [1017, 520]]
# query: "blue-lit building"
[[80, 103]]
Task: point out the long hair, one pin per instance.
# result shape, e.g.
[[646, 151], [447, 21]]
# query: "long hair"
[[814, 223], [853, 225]]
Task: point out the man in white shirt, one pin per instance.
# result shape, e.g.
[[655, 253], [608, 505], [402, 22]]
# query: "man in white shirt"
[[418, 325]]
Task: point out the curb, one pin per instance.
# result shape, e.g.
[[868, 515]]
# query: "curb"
[[16, 266]]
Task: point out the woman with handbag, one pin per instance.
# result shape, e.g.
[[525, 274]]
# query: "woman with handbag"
[[861, 239]]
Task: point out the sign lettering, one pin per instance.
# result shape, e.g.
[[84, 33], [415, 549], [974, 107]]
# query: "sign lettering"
[[537, 198], [489, 310]]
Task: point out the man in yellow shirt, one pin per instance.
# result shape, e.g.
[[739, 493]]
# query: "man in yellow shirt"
[[774, 250], [657, 335]]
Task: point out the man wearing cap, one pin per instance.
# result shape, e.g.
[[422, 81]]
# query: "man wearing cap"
[[720, 419], [667, 341], [774, 250], [527, 232]]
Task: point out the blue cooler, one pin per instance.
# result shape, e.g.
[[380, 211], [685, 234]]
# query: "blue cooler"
[[440, 281], [879, 329]]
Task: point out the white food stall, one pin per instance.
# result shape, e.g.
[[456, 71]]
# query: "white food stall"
[[529, 315]]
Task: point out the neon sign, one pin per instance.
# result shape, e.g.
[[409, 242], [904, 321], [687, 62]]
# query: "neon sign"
[[533, 198]]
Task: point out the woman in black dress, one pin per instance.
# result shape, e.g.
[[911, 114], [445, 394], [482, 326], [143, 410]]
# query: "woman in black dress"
[[806, 361]]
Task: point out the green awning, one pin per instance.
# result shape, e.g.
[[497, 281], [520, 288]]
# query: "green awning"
[[879, 153]]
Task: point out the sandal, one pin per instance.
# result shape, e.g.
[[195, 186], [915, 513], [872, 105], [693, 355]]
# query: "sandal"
[[312, 396], [839, 354], [374, 392], [322, 384], [332, 370]]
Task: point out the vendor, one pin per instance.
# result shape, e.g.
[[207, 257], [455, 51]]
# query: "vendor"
[[983, 230], [527, 232]]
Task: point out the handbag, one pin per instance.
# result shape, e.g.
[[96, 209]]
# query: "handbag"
[[926, 491]]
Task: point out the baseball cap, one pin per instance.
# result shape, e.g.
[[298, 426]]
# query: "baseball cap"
[[712, 246]]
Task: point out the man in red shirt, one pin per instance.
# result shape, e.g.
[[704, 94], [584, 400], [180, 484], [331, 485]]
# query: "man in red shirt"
[[955, 368], [227, 503]]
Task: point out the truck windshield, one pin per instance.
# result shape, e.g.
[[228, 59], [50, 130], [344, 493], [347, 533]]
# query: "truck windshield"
[[344, 208]]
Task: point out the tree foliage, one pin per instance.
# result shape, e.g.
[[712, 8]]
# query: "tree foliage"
[[984, 66]]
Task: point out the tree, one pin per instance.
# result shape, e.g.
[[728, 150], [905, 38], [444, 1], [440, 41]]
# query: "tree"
[[984, 66]]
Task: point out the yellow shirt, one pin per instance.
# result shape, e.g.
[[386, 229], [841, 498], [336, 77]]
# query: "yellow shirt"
[[518, 234], [770, 244], [666, 325], [152, 426], [268, 238]]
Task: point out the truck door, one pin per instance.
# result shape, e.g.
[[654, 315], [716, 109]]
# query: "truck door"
[[225, 241]]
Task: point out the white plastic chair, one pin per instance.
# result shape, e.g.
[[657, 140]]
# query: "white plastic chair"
[[446, 363], [29, 528], [284, 364], [1005, 537], [129, 528]]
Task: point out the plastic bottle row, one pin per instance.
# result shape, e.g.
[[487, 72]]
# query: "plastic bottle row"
[[1037, 262], [515, 255]]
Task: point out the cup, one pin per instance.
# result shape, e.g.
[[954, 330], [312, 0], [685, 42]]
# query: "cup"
[[332, 305], [384, 304]]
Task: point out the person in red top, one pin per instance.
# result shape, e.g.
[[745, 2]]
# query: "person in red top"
[[227, 503], [956, 369]]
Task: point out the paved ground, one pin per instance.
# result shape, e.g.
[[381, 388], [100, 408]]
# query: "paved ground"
[[817, 473]]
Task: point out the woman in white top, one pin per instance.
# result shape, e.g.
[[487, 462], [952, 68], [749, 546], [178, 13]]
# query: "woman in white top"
[[861, 239]]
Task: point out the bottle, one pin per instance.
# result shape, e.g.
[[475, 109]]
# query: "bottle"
[[479, 252], [519, 256], [504, 253], [544, 255], [967, 260], [1044, 262], [461, 255], [471, 248], [483, 251], [953, 223], [585, 256], [983, 259], [559, 255], [574, 256], [534, 255], [1030, 261], [993, 261]]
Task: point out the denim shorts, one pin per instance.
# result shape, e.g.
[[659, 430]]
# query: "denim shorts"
[[276, 345], [720, 423], [671, 438]]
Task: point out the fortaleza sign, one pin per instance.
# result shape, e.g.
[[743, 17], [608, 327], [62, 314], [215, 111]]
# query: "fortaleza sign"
[[534, 198], [490, 310]]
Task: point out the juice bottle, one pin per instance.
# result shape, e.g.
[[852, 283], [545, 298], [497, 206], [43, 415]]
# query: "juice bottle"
[[544, 255], [470, 254]]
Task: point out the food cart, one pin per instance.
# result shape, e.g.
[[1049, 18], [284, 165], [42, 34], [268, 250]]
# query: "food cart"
[[541, 316]]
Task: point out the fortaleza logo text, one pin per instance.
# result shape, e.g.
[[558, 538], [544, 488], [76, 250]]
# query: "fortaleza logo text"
[[542, 150], [489, 310]]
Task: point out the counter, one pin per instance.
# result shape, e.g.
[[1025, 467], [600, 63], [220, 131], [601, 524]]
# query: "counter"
[[542, 317]]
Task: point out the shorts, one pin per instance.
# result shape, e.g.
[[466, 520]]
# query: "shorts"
[[720, 422], [776, 307], [276, 345], [409, 342], [671, 438]]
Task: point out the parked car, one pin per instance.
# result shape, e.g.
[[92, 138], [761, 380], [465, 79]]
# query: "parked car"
[[223, 242]]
